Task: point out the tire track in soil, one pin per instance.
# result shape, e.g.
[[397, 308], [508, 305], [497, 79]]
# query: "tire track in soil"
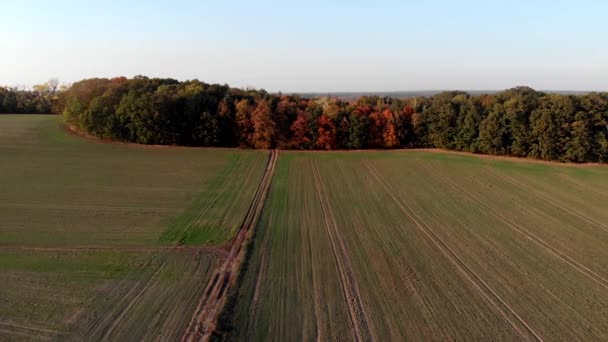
[[493, 245], [82, 207], [531, 210], [496, 302], [583, 185], [219, 251], [132, 302], [204, 321], [546, 198], [258, 280], [32, 332], [315, 286], [205, 205], [29, 336], [526, 233], [359, 318]]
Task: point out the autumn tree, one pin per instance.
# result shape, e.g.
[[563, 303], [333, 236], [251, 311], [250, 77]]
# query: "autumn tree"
[[390, 136], [244, 122], [264, 129], [518, 121], [389, 129], [300, 129], [326, 139], [376, 128], [284, 115]]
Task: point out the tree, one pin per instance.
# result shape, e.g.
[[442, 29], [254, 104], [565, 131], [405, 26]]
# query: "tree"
[[596, 107], [376, 128], [263, 125], [135, 115], [441, 116], [578, 148], [358, 132], [405, 128], [207, 131], [9, 102], [469, 121], [244, 123], [48, 88], [544, 137], [491, 132], [98, 117], [518, 121], [390, 136], [300, 129], [326, 139], [550, 124], [389, 129]]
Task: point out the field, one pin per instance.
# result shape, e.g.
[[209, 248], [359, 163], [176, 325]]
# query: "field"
[[418, 245], [107, 240], [115, 241]]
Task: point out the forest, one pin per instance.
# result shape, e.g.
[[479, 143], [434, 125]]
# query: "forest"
[[44, 98], [518, 122]]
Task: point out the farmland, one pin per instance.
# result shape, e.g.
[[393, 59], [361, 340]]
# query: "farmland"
[[420, 245], [118, 241], [109, 240]]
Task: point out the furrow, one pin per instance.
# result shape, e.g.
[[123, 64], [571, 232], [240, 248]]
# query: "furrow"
[[359, 318], [473, 278], [526, 233]]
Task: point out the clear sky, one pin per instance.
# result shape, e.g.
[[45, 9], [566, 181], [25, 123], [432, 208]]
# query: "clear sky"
[[312, 45]]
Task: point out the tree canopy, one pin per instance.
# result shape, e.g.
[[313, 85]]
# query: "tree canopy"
[[518, 122], [42, 99]]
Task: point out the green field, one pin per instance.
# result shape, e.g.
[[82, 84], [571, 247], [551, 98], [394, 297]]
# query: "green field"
[[118, 242], [111, 240], [418, 245]]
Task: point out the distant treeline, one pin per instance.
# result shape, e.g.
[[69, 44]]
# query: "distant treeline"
[[42, 99], [517, 122]]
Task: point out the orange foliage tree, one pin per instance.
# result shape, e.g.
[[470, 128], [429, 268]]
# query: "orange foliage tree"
[[326, 139], [300, 129], [244, 124], [264, 129]]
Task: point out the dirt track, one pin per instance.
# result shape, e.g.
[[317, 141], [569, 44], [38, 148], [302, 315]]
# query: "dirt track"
[[204, 320]]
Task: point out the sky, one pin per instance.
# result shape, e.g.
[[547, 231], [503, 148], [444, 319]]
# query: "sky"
[[311, 46]]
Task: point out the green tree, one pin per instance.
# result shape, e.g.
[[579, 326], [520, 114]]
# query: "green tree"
[[469, 121], [578, 147], [544, 134], [492, 132]]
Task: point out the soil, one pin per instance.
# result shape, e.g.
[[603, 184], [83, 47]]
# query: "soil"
[[204, 321]]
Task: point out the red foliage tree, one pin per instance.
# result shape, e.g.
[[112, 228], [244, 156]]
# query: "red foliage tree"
[[326, 139], [300, 129], [390, 135]]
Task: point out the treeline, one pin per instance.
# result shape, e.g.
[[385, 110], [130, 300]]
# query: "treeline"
[[42, 99], [517, 122]]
